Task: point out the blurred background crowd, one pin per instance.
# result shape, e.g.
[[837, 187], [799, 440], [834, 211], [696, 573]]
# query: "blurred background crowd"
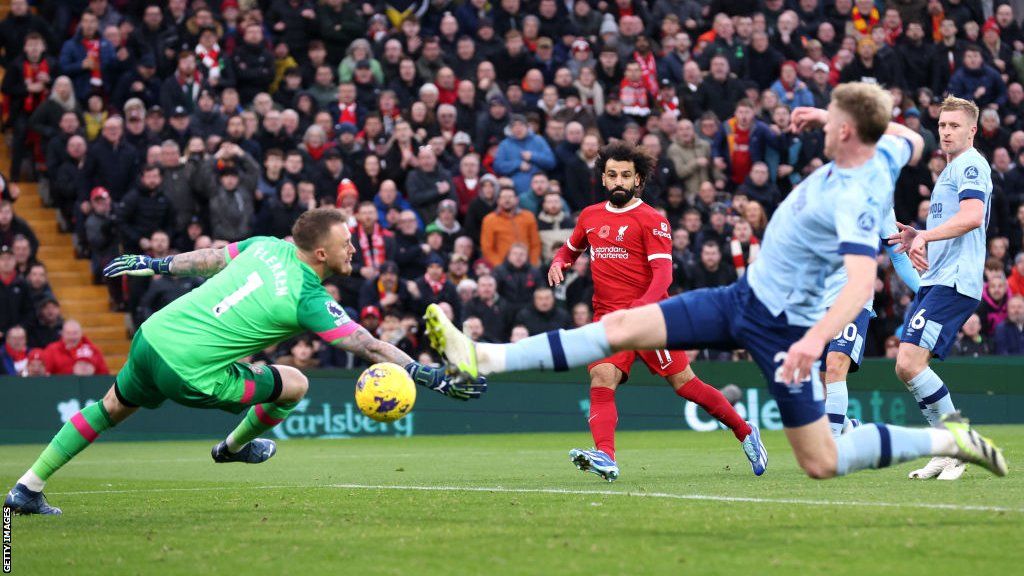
[[460, 139]]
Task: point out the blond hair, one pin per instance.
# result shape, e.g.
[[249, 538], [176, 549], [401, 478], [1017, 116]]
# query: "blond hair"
[[952, 103], [867, 105]]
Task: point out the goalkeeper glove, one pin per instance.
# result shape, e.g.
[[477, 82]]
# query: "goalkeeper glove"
[[439, 381], [137, 265]]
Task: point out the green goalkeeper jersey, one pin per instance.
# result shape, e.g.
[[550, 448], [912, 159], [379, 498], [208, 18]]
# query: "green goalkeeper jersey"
[[264, 295]]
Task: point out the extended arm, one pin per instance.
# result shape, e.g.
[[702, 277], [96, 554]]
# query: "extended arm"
[[915, 139], [361, 343], [205, 262]]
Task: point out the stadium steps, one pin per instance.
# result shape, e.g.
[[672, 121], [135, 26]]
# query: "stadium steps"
[[71, 277]]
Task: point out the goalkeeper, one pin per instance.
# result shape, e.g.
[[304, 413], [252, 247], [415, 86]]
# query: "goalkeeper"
[[261, 291]]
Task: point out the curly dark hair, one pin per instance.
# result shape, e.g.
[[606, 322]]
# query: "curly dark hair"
[[623, 151]]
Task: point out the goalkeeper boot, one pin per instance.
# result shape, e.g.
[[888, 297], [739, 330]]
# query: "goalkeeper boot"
[[974, 447], [755, 450], [21, 500], [458, 351], [595, 461], [255, 452]]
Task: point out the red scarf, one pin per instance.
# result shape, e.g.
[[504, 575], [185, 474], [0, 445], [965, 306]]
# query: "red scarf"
[[209, 57], [31, 72], [92, 51], [316, 152], [862, 24], [738, 261], [649, 69], [437, 286], [16, 355], [347, 114], [373, 248]]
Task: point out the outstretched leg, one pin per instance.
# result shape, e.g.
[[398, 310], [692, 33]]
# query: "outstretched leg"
[[76, 435]]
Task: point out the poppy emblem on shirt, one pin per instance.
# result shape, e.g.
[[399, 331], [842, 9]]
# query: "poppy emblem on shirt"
[[971, 172], [604, 231]]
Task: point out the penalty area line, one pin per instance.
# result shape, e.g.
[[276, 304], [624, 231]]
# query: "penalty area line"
[[567, 492]]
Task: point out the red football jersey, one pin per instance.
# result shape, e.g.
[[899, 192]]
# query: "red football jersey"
[[622, 242]]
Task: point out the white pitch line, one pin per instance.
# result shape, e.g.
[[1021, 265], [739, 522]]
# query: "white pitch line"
[[562, 491]]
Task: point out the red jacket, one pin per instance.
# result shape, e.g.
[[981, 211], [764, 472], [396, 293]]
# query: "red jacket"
[[60, 360]]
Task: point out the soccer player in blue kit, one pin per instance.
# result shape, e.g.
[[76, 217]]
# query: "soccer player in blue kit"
[[777, 310], [951, 255], [846, 351]]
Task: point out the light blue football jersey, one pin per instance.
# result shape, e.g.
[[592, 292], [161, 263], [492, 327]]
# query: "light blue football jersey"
[[959, 262], [834, 283], [833, 212]]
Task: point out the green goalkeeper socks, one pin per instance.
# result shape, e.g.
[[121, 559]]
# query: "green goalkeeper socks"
[[76, 434], [259, 419]]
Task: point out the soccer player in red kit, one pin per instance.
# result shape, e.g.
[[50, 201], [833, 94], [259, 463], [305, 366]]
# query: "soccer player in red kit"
[[630, 245]]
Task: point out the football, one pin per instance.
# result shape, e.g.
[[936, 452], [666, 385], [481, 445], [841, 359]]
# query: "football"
[[385, 392]]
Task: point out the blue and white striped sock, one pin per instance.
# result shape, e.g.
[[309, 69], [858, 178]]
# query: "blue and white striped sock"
[[880, 445], [837, 401], [557, 350], [932, 396]]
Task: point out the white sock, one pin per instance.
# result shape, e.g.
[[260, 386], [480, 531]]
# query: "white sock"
[[32, 481], [943, 443], [233, 446], [490, 358]]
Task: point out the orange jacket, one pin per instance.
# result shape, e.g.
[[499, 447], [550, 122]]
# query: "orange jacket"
[[500, 231]]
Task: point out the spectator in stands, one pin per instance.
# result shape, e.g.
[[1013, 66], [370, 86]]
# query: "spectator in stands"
[[374, 244], [517, 277], [26, 86], [507, 225], [711, 271], [229, 180], [428, 184], [740, 142], [103, 237], [554, 225], [87, 56], [994, 304], [720, 91], [792, 91], [12, 226], [386, 292], [15, 297], [691, 157], [74, 353], [522, 154], [542, 315], [300, 354], [38, 284], [447, 224], [1015, 283], [1009, 336], [970, 341], [14, 352], [490, 308], [144, 210], [434, 286], [759, 188], [162, 291], [112, 162], [22, 251]]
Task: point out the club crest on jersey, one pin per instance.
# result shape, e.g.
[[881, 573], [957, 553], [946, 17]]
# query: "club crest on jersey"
[[664, 226], [622, 231], [336, 312], [866, 221], [971, 173], [604, 231]]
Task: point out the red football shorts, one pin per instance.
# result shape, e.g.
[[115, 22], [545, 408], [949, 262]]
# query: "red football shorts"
[[662, 363]]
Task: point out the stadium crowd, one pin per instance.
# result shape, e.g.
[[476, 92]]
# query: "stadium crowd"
[[460, 140]]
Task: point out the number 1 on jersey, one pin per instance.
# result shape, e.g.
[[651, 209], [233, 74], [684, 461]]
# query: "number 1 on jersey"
[[252, 282]]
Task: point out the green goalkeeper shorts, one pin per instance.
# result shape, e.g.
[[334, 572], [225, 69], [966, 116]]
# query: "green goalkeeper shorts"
[[147, 380]]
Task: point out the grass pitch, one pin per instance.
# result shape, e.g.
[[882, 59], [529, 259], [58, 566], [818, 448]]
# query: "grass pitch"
[[510, 504]]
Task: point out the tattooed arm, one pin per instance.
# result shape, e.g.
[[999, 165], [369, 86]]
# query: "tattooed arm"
[[363, 344], [204, 262]]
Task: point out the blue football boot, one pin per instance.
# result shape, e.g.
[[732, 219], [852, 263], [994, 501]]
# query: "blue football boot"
[[755, 450], [595, 461], [24, 501], [255, 452]]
